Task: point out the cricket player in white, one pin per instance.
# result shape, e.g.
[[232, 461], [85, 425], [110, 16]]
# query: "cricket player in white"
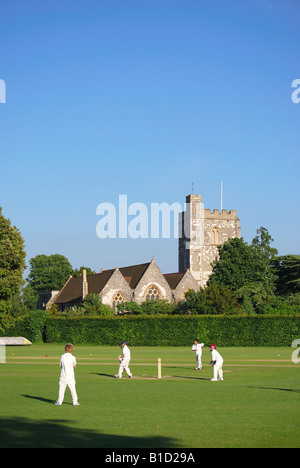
[[124, 361], [67, 376], [197, 348], [217, 363]]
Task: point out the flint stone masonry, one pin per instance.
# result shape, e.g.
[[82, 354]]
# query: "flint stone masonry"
[[126, 285], [203, 231]]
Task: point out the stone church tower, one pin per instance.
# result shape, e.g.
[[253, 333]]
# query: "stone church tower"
[[200, 232]]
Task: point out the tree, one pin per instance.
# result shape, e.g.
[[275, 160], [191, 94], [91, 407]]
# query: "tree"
[[93, 306], [263, 242], [253, 297], [241, 264], [221, 300], [12, 266], [78, 272], [287, 269], [193, 303], [49, 273], [212, 300]]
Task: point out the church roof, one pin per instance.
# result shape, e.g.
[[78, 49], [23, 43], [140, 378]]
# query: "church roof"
[[174, 279], [72, 290], [133, 274]]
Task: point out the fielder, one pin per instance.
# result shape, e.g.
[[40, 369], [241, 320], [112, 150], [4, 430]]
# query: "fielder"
[[124, 361], [217, 363], [67, 376], [197, 348]]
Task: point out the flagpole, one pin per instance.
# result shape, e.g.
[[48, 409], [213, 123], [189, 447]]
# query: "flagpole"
[[221, 195]]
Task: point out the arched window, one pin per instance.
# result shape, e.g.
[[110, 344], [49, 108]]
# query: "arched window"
[[153, 293], [215, 236], [118, 299]]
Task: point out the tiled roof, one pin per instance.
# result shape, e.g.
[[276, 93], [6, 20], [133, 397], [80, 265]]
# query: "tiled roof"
[[133, 274], [174, 279], [71, 292]]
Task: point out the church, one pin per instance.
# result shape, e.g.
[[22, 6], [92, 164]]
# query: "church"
[[201, 231]]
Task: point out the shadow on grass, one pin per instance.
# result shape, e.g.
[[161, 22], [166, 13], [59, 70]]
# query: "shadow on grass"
[[277, 388], [184, 377], [27, 433], [103, 375], [45, 400]]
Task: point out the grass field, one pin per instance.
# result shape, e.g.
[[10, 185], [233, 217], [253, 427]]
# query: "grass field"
[[257, 404]]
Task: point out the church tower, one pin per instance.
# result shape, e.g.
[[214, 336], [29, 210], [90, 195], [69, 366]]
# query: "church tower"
[[201, 231]]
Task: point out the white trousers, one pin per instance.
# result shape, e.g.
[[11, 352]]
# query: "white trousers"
[[218, 371], [124, 365], [62, 388], [199, 361]]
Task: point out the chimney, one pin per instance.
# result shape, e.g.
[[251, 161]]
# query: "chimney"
[[84, 285]]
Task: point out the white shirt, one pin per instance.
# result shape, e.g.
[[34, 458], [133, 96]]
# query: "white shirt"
[[67, 364], [126, 352], [198, 348], [216, 356]]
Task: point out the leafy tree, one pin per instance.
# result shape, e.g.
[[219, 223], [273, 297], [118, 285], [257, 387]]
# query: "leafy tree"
[[293, 299], [263, 242], [78, 272], [49, 273], [24, 302], [253, 297], [29, 297], [221, 300], [93, 306], [12, 266], [212, 300], [194, 303], [287, 269], [6, 318], [241, 264]]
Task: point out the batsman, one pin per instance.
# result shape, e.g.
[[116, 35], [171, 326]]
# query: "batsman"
[[124, 360], [217, 363]]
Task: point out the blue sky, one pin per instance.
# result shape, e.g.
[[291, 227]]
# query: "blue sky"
[[143, 98]]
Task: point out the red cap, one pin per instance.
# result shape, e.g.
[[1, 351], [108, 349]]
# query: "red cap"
[[213, 346]]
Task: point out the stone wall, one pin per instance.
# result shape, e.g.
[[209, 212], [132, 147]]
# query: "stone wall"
[[201, 231]]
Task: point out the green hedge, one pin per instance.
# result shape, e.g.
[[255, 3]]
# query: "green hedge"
[[175, 330], [165, 330]]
